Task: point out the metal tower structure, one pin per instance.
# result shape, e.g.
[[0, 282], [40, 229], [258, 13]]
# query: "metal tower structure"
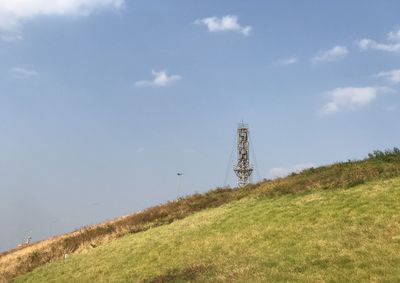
[[243, 168]]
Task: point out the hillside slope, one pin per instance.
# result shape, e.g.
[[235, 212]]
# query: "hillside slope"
[[378, 166], [344, 235]]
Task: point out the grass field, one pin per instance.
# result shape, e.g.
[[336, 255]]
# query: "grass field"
[[351, 234]]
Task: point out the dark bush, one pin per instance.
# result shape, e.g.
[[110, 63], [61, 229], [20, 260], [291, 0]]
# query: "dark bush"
[[355, 183], [386, 156], [34, 257]]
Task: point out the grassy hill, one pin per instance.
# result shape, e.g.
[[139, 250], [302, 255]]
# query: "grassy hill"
[[346, 235], [333, 223]]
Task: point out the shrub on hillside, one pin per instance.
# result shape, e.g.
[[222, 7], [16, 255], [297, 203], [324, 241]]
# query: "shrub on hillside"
[[386, 156]]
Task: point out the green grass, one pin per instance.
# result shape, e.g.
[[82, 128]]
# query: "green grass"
[[345, 235]]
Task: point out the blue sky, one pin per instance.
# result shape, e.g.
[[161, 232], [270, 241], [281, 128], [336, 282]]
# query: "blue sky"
[[103, 101]]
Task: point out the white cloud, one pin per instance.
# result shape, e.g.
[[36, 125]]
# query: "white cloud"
[[394, 35], [394, 47], [22, 72], [14, 12], [160, 79], [392, 76], [350, 97], [367, 43], [279, 172], [332, 54], [288, 61], [226, 23]]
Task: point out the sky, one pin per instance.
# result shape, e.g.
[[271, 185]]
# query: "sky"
[[102, 102]]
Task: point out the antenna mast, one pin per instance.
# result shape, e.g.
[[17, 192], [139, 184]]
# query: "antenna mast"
[[243, 168]]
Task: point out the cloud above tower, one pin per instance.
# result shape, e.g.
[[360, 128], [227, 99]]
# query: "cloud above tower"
[[224, 24], [161, 79]]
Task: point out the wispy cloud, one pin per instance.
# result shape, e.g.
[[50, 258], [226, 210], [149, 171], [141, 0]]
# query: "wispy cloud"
[[161, 79], [351, 97], [367, 43], [392, 76], [226, 23], [279, 172], [14, 12], [394, 35], [335, 53], [23, 72], [288, 61]]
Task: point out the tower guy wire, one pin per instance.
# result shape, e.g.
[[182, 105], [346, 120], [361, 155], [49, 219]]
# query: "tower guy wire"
[[230, 161], [257, 169]]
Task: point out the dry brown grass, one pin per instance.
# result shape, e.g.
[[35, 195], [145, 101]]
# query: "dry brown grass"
[[341, 175]]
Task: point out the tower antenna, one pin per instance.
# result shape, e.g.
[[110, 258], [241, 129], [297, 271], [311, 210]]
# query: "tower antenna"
[[243, 168]]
